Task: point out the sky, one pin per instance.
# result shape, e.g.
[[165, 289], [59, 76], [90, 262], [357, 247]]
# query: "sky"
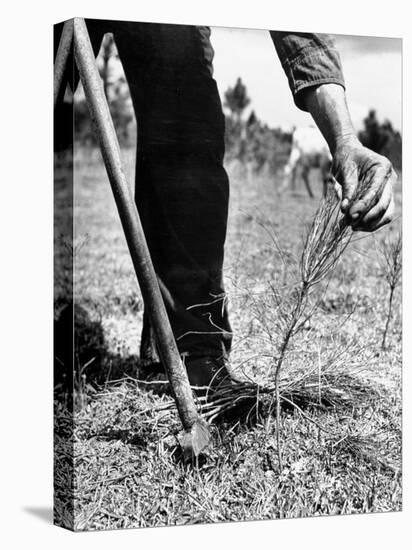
[[372, 69]]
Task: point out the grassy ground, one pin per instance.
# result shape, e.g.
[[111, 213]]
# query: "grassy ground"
[[336, 459]]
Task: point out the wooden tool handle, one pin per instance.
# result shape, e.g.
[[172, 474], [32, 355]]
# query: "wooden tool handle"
[[135, 237]]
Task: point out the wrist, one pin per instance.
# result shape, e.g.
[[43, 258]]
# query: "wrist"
[[346, 139], [327, 105]]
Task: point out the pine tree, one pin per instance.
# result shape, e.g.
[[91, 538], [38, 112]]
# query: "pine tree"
[[236, 99]]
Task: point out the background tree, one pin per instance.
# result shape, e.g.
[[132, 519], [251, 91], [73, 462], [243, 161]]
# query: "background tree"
[[382, 138], [251, 141], [236, 99], [118, 97]]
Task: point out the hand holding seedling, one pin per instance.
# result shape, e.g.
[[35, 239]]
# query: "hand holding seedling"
[[366, 178]]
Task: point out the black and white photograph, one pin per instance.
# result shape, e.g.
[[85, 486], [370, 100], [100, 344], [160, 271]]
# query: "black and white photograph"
[[227, 276], [204, 297]]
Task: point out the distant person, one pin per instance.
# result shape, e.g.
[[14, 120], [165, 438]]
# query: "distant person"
[[308, 150], [182, 188]]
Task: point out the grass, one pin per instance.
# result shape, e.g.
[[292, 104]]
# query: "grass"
[[340, 422]]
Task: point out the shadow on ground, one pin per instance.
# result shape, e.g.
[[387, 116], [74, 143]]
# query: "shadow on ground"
[[82, 358], [43, 513]]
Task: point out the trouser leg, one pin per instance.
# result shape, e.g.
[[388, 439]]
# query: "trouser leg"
[[181, 186]]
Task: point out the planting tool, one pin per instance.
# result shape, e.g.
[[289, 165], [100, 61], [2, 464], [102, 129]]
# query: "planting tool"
[[60, 63], [196, 436]]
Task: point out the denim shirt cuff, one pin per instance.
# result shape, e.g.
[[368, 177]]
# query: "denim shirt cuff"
[[313, 67]]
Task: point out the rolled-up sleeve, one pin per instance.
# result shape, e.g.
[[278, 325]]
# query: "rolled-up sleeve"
[[308, 60]]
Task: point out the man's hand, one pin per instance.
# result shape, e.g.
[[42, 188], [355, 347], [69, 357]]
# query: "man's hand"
[[366, 177], [367, 181]]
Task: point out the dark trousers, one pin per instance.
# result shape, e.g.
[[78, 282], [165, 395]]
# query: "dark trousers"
[[182, 188]]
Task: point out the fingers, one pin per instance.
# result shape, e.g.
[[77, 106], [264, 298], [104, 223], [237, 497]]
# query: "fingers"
[[378, 211], [382, 211], [379, 222], [366, 179], [338, 190], [349, 182], [371, 191]]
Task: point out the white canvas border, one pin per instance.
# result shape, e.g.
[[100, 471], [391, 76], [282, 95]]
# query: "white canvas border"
[[26, 273]]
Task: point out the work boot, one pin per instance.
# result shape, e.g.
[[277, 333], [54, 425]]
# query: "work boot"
[[207, 374]]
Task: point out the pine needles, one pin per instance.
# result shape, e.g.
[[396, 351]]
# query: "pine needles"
[[392, 267]]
